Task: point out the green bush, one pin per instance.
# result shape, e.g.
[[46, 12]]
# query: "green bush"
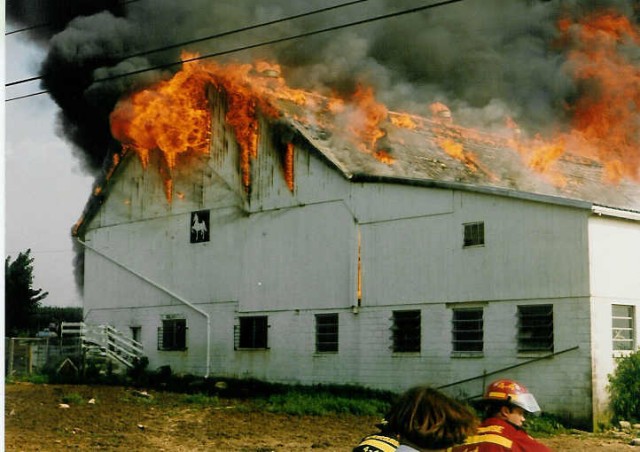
[[544, 425], [624, 389], [72, 398]]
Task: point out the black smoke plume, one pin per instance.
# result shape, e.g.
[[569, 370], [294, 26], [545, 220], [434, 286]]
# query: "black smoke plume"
[[483, 58]]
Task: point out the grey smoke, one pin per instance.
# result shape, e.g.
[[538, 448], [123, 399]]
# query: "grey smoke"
[[476, 56]]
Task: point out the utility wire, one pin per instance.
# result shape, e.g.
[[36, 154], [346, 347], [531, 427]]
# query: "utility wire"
[[49, 24], [218, 35], [264, 43]]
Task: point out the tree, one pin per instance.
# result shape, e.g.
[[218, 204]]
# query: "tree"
[[21, 300]]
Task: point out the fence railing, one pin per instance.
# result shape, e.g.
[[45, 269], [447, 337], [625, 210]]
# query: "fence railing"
[[26, 356], [104, 340]]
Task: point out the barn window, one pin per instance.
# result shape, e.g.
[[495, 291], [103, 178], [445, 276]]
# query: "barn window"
[[172, 335], [474, 234], [623, 327], [251, 332], [467, 330], [326, 333], [199, 226], [535, 328], [406, 330], [136, 333]]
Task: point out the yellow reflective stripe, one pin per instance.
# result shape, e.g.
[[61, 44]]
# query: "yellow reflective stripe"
[[499, 395], [490, 438], [384, 443], [491, 429]]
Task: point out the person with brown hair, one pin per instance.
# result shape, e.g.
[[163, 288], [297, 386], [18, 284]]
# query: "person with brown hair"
[[506, 403], [424, 419]]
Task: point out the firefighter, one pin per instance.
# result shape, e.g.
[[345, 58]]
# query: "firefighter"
[[506, 404], [423, 419], [383, 441]]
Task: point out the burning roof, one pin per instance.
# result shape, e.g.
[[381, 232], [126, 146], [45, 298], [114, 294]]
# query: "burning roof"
[[592, 158], [437, 153], [360, 137]]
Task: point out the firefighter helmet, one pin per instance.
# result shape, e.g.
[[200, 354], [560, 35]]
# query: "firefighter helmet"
[[511, 392]]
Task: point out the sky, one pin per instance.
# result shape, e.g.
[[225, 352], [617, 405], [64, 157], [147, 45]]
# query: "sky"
[[45, 189]]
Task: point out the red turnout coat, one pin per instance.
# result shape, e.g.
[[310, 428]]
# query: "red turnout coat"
[[496, 435]]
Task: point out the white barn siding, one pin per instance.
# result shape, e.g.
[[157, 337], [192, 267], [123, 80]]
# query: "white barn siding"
[[300, 257], [614, 255], [532, 250], [292, 254]]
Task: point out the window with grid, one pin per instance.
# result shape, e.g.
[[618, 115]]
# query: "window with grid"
[[326, 333], [474, 234], [468, 334], [251, 332], [406, 331], [535, 328], [623, 334], [172, 335]]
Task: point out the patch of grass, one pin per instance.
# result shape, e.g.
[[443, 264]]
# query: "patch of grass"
[[73, 398], [33, 378], [201, 399], [322, 403]]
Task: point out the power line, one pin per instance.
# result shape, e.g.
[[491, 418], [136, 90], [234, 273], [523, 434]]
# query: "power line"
[[50, 24], [217, 35], [264, 43]]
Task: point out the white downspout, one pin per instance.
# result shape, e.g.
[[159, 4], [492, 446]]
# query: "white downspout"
[[165, 290]]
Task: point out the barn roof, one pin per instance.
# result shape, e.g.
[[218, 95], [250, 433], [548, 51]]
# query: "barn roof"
[[488, 163], [415, 155]]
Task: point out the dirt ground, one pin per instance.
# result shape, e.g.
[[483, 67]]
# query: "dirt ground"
[[122, 419]]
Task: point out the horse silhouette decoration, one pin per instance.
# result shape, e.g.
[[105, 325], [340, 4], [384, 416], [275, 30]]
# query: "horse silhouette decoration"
[[199, 228]]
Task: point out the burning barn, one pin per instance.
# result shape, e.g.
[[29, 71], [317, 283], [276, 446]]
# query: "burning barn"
[[246, 228], [310, 240]]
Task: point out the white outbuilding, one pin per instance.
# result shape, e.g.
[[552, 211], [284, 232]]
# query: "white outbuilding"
[[385, 268]]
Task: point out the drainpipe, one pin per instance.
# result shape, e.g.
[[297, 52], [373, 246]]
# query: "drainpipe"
[[165, 290]]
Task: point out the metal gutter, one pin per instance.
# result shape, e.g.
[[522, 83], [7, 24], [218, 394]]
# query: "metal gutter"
[[165, 290], [618, 213]]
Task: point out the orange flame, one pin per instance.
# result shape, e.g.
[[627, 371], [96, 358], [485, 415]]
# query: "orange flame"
[[366, 117], [403, 120], [609, 117], [456, 150], [606, 118], [173, 116], [288, 165]]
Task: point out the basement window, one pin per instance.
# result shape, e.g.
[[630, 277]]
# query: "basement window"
[[467, 330], [473, 234], [326, 333], [406, 331], [251, 333], [623, 334], [172, 335], [535, 328]]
